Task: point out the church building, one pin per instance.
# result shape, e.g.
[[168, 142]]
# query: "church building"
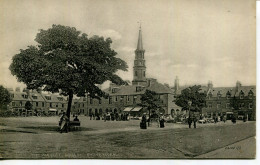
[[127, 98]]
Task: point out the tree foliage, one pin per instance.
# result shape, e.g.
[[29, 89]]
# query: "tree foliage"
[[67, 61], [150, 100], [194, 95], [5, 97], [28, 105]]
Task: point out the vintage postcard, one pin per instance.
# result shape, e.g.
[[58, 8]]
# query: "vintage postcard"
[[128, 79]]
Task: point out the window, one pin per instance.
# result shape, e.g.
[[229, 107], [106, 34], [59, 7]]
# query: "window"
[[135, 73], [34, 97], [241, 94], [84, 98], [134, 99], [250, 94], [36, 104], [144, 73], [21, 103], [91, 101], [227, 105], [24, 96], [62, 105], [60, 98], [116, 98], [228, 96], [83, 105], [50, 104], [99, 101], [57, 105], [110, 100], [12, 95], [128, 98], [250, 106], [113, 90], [210, 105], [48, 97], [218, 105], [121, 99], [13, 103]]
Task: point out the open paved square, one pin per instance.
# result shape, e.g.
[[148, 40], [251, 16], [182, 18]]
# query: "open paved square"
[[37, 137]]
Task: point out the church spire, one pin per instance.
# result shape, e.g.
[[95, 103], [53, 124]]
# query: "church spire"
[[139, 63], [140, 42]]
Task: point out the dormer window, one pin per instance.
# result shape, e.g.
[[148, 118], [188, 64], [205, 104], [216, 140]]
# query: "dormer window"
[[139, 88], [25, 96], [250, 94], [228, 95], [209, 95], [48, 97], [34, 97], [241, 95], [60, 98]]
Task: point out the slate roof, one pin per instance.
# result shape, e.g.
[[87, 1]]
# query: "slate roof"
[[39, 96], [131, 89], [18, 96], [54, 98]]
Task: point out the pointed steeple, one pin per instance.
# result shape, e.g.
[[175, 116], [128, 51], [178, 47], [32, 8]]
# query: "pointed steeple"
[[140, 42]]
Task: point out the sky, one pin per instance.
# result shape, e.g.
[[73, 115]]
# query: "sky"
[[197, 40]]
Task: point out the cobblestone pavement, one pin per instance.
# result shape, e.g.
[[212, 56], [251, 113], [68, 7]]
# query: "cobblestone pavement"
[[37, 137]]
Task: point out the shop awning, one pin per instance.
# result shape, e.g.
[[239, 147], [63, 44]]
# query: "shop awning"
[[136, 109], [54, 110], [127, 109]]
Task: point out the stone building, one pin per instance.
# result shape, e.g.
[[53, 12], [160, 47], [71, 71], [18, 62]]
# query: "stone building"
[[221, 100], [19, 98], [127, 98]]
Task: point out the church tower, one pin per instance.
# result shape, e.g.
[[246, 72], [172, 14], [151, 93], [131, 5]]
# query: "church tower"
[[139, 63]]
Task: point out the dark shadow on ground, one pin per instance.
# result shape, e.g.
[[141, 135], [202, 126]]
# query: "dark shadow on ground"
[[16, 131], [57, 129]]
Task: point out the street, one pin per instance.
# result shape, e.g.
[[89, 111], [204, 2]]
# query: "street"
[[37, 137]]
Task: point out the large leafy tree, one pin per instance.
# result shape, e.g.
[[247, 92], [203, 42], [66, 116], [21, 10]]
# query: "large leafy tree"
[[193, 94], [5, 97], [151, 101], [67, 61]]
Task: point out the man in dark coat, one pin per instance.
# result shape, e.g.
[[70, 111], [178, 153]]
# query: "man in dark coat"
[[189, 122]]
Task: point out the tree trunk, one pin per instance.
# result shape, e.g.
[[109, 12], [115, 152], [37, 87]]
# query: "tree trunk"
[[69, 104], [149, 118]]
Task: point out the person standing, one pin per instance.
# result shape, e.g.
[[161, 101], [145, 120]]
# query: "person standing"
[[224, 118], [194, 121], [143, 123], [64, 123], [189, 122]]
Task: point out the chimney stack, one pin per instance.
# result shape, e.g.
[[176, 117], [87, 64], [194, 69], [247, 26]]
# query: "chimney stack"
[[176, 83]]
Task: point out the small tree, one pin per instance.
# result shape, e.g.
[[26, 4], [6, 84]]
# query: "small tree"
[[28, 105], [150, 101], [192, 94], [5, 98], [67, 61]]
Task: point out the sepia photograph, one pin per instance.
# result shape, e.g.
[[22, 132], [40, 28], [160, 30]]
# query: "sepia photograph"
[[128, 79]]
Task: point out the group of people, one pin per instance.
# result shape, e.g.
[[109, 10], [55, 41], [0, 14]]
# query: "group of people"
[[110, 116], [143, 123], [65, 123]]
